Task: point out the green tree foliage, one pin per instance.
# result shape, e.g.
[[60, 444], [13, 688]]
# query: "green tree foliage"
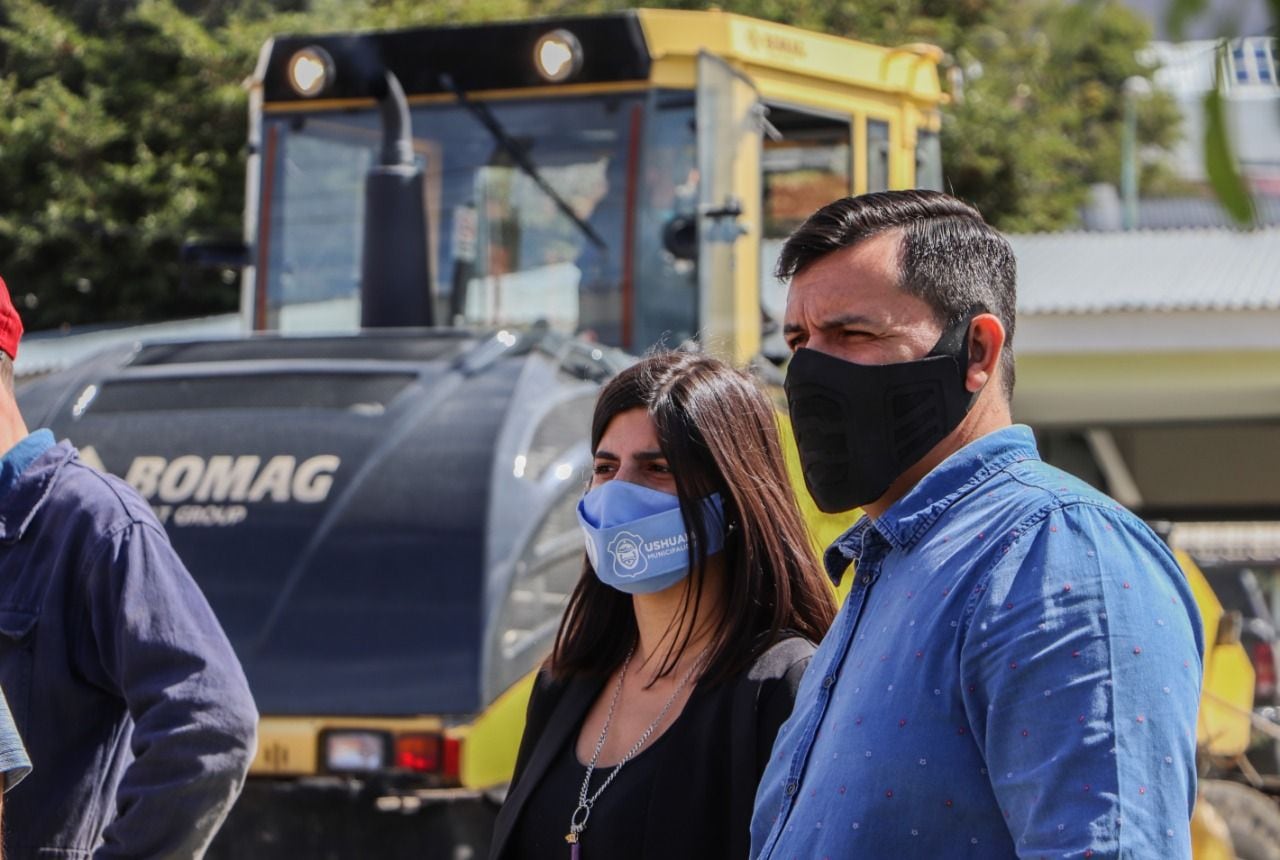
[[123, 122], [121, 130], [1042, 118]]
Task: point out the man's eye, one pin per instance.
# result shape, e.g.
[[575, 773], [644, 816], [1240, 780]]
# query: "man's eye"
[[602, 468], [661, 468]]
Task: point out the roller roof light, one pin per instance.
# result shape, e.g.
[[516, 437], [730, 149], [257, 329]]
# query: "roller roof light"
[[311, 71], [558, 55]]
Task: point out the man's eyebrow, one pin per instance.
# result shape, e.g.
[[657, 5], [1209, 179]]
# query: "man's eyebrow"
[[606, 455], [857, 320]]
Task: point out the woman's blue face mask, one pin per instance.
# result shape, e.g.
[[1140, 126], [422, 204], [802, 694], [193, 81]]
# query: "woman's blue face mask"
[[636, 539]]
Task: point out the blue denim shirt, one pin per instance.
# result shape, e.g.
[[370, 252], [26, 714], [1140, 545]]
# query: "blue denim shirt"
[[14, 763], [22, 455], [131, 703], [1015, 673]]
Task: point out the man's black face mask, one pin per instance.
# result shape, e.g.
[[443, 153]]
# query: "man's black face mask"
[[860, 426]]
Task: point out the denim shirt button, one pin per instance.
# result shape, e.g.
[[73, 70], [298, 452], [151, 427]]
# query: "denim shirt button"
[[792, 787], [828, 682]]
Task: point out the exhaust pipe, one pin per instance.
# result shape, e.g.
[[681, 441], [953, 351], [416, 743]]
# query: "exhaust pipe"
[[395, 273]]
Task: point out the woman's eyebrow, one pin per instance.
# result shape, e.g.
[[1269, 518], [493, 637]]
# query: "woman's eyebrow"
[[639, 455]]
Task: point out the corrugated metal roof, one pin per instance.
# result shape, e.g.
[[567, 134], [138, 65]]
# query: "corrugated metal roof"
[[1166, 213], [1165, 270], [1229, 542], [1171, 213]]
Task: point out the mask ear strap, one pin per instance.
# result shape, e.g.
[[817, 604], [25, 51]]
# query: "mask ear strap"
[[955, 339], [955, 343]]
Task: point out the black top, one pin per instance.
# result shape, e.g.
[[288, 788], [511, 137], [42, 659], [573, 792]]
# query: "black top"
[[614, 830], [702, 772]]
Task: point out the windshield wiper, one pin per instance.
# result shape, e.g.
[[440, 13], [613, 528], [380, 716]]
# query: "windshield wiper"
[[518, 155]]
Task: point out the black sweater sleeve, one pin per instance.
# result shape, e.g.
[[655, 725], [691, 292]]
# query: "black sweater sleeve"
[[776, 702]]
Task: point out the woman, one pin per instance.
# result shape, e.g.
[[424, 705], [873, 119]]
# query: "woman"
[[682, 646]]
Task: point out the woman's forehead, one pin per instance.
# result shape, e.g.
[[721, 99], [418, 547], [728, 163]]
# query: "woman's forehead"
[[629, 432]]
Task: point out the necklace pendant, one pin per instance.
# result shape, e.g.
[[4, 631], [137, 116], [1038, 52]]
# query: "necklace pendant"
[[574, 851], [571, 838]]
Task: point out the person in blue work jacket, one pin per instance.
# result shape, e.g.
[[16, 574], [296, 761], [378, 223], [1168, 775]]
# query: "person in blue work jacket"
[[132, 705], [1016, 670]]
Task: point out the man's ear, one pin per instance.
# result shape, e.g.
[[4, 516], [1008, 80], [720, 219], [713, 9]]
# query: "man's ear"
[[986, 340]]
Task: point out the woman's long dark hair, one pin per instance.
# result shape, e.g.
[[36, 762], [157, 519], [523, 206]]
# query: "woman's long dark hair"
[[719, 433]]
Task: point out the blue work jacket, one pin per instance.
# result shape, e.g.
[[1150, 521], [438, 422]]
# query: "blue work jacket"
[[132, 705]]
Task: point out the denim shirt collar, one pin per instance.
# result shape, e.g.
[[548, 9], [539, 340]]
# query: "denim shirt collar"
[[23, 497], [908, 519], [16, 460]]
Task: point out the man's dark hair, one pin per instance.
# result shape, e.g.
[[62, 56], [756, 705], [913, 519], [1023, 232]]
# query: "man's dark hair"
[[949, 256]]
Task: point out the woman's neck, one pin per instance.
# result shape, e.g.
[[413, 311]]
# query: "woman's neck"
[[661, 625]]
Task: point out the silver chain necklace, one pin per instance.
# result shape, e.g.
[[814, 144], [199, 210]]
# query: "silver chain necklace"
[[578, 821]]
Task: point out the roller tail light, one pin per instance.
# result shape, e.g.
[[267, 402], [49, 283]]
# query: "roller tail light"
[[430, 755]]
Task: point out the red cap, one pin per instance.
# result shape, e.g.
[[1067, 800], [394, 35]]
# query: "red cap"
[[10, 324]]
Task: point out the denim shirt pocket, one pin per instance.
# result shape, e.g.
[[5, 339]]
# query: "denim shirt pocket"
[[17, 659]]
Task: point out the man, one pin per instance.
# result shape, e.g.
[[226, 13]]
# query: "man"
[[130, 700], [1016, 670]]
